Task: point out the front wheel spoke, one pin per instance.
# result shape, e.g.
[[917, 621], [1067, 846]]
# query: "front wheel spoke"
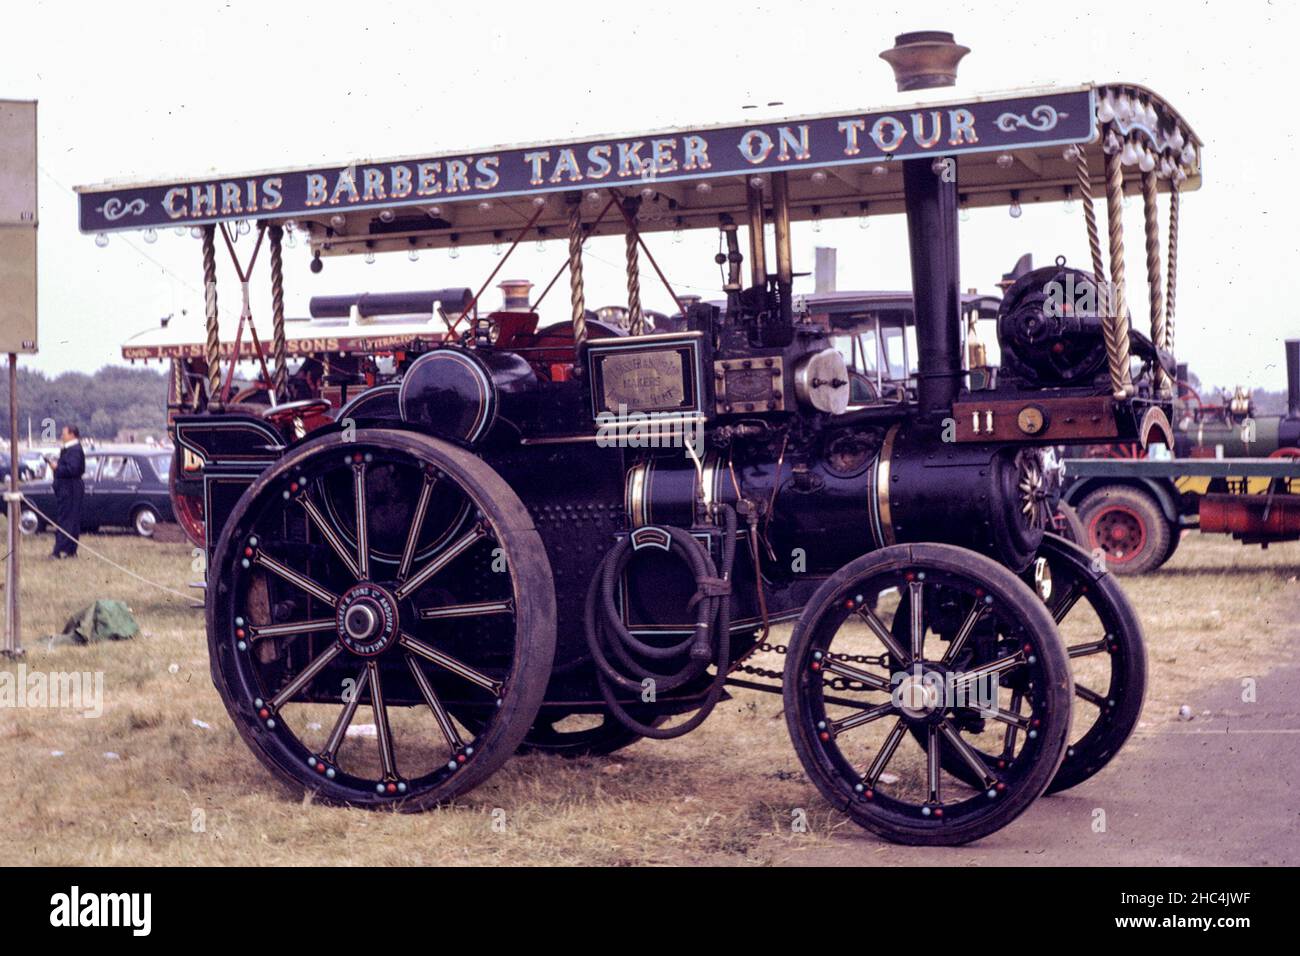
[[866, 716], [1083, 650], [998, 667], [886, 753], [330, 534], [916, 618], [455, 550], [873, 681], [1068, 600], [383, 732], [363, 533], [1013, 724], [439, 712], [351, 701], [257, 632], [1091, 696], [968, 754], [932, 763], [417, 521], [467, 610], [964, 632], [883, 634], [1013, 719], [308, 674], [301, 581], [447, 662]]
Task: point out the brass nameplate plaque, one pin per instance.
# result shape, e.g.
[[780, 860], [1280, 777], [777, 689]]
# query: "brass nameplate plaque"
[[650, 380]]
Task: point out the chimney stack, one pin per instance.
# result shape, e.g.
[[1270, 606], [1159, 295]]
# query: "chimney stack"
[[1293, 378], [924, 60], [514, 293]]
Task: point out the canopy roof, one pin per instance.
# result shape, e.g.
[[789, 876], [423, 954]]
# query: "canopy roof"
[[1011, 146]]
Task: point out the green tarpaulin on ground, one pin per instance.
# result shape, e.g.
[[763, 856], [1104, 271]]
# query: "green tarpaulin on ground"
[[101, 621]]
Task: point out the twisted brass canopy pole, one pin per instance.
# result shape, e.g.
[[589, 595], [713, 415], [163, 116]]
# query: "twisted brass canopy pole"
[[1171, 282], [1117, 330], [279, 345], [1155, 278], [635, 317], [210, 310], [575, 275]]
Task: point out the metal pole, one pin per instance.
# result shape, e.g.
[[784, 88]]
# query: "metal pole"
[[575, 279], [757, 236], [13, 632]]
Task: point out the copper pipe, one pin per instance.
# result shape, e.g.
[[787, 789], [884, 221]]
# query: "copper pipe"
[[757, 236]]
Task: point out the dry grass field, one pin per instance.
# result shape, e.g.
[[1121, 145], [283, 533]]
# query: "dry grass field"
[[162, 778]]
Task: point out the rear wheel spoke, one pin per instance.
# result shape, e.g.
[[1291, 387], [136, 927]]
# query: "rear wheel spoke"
[[916, 618], [1083, 650], [435, 705], [873, 681], [964, 632], [308, 674], [300, 581], [1013, 725], [383, 732], [449, 663], [467, 610], [363, 531], [330, 534], [351, 702], [1091, 696], [257, 632], [436, 564], [933, 760], [883, 634], [417, 521]]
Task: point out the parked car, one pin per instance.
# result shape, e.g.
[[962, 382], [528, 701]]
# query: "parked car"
[[125, 487]]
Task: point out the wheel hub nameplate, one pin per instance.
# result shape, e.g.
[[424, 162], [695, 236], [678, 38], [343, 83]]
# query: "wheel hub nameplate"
[[367, 620]]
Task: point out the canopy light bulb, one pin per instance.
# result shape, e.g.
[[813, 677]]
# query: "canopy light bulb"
[[101, 240], [704, 188], [1014, 209], [242, 228], [337, 221], [196, 232], [370, 258], [879, 169], [454, 251], [151, 235], [539, 201], [434, 212], [818, 176], [1004, 160], [413, 254], [964, 214], [647, 193], [756, 182], [484, 206], [386, 215], [179, 230]]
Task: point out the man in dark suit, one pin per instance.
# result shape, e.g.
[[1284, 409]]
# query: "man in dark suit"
[[68, 493]]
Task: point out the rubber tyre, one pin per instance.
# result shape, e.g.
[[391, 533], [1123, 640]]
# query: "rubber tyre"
[[1070, 527], [1139, 511]]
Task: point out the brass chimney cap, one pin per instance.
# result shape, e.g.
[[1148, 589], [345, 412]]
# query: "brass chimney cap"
[[924, 60]]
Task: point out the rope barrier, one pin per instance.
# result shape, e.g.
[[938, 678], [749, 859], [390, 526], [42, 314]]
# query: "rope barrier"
[[188, 598]]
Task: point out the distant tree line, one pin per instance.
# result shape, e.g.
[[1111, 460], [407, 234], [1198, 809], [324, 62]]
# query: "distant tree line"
[[115, 402]]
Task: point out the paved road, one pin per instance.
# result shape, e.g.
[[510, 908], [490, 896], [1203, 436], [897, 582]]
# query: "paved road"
[[1221, 789]]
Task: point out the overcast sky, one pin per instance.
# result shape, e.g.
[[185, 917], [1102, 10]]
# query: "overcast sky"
[[143, 90]]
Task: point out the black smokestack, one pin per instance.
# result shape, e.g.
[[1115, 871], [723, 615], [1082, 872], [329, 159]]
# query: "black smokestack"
[[1293, 378]]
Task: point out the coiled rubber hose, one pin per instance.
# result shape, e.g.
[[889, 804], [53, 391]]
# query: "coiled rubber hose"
[[607, 636]]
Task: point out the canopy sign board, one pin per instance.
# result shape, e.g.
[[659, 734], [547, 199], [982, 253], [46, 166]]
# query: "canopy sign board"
[[947, 129], [17, 226]]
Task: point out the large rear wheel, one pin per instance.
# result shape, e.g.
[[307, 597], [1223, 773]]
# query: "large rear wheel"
[[363, 593]]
